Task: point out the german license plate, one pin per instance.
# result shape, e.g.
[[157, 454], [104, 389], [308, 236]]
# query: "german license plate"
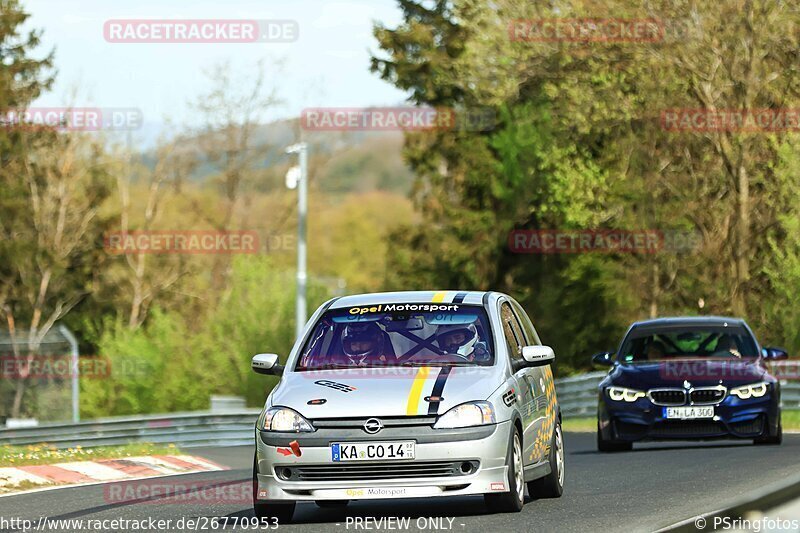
[[372, 451], [688, 413]]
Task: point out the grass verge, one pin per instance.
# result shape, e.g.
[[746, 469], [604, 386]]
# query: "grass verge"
[[44, 454], [579, 425]]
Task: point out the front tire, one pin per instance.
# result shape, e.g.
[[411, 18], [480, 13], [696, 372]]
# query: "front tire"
[[551, 485], [513, 500], [606, 446], [768, 439], [280, 512]]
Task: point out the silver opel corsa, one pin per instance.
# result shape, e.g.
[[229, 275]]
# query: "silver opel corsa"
[[410, 395]]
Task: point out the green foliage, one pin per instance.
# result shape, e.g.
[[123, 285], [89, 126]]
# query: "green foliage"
[[579, 145], [176, 362], [783, 266]]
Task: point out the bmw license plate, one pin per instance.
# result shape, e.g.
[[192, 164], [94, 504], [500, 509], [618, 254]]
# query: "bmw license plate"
[[372, 451], [688, 413]]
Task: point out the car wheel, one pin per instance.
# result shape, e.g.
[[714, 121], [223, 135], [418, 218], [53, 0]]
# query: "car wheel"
[[551, 485], [278, 512], [605, 445], [513, 500], [331, 503], [771, 439]]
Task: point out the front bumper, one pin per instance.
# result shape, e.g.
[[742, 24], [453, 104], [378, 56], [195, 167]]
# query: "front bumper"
[[487, 454], [733, 419]]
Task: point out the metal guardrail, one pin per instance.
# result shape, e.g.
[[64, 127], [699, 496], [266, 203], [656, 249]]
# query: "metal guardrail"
[[577, 395], [233, 425], [201, 428]]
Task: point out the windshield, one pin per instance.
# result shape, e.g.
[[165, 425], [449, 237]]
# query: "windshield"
[[405, 334], [688, 342]]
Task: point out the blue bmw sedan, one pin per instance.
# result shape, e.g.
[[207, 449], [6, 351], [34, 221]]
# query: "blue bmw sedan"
[[688, 378]]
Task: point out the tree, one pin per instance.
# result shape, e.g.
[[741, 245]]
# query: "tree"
[[579, 144], [231, 112]]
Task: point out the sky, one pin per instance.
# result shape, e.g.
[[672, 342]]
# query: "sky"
[[327, 66]]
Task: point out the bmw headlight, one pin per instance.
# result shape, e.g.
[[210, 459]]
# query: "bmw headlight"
[[285, 420], [754, 390], [620, 394], [466, 415]]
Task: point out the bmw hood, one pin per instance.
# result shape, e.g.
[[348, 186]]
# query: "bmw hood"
[[383, 392], [697, 372]]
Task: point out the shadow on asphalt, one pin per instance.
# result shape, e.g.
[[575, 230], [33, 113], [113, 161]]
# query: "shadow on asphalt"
[[649, 447]]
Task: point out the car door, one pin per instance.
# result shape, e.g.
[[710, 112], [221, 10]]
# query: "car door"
[[540, 379], [523, 378]]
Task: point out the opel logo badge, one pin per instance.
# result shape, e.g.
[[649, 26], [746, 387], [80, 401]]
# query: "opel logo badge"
[[373, 425]]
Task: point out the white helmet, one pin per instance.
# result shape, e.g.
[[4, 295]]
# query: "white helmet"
[[457, 338]]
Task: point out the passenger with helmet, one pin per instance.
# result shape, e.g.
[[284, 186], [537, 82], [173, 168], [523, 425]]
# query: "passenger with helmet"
[[462, 340], [363, 344]]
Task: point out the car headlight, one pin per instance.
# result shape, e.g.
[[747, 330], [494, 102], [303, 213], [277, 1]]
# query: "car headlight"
[[619, 394], [754, 390], [285, 420], [466, 415]]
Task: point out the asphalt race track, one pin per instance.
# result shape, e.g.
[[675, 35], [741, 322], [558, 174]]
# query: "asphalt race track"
[[651, 487]]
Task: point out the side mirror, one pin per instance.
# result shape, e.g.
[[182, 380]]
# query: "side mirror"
[[266, 363], [774, 354], [538, 355], [603, 358]]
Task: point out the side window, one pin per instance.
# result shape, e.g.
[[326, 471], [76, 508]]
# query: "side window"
[[527, 325], [512, 332]]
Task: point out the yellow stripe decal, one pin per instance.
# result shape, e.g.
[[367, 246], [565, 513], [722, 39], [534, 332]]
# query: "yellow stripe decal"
[[439, 296], [416, 390]]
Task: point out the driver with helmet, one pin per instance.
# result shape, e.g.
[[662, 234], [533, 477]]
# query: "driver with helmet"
[[462, 340], [363, 344]]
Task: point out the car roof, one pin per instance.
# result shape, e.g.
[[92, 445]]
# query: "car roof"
[[689, 321], [462, 297]]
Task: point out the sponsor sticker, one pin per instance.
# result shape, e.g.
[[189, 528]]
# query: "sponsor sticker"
[[510, 398], [393, 308], [334, 385]]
